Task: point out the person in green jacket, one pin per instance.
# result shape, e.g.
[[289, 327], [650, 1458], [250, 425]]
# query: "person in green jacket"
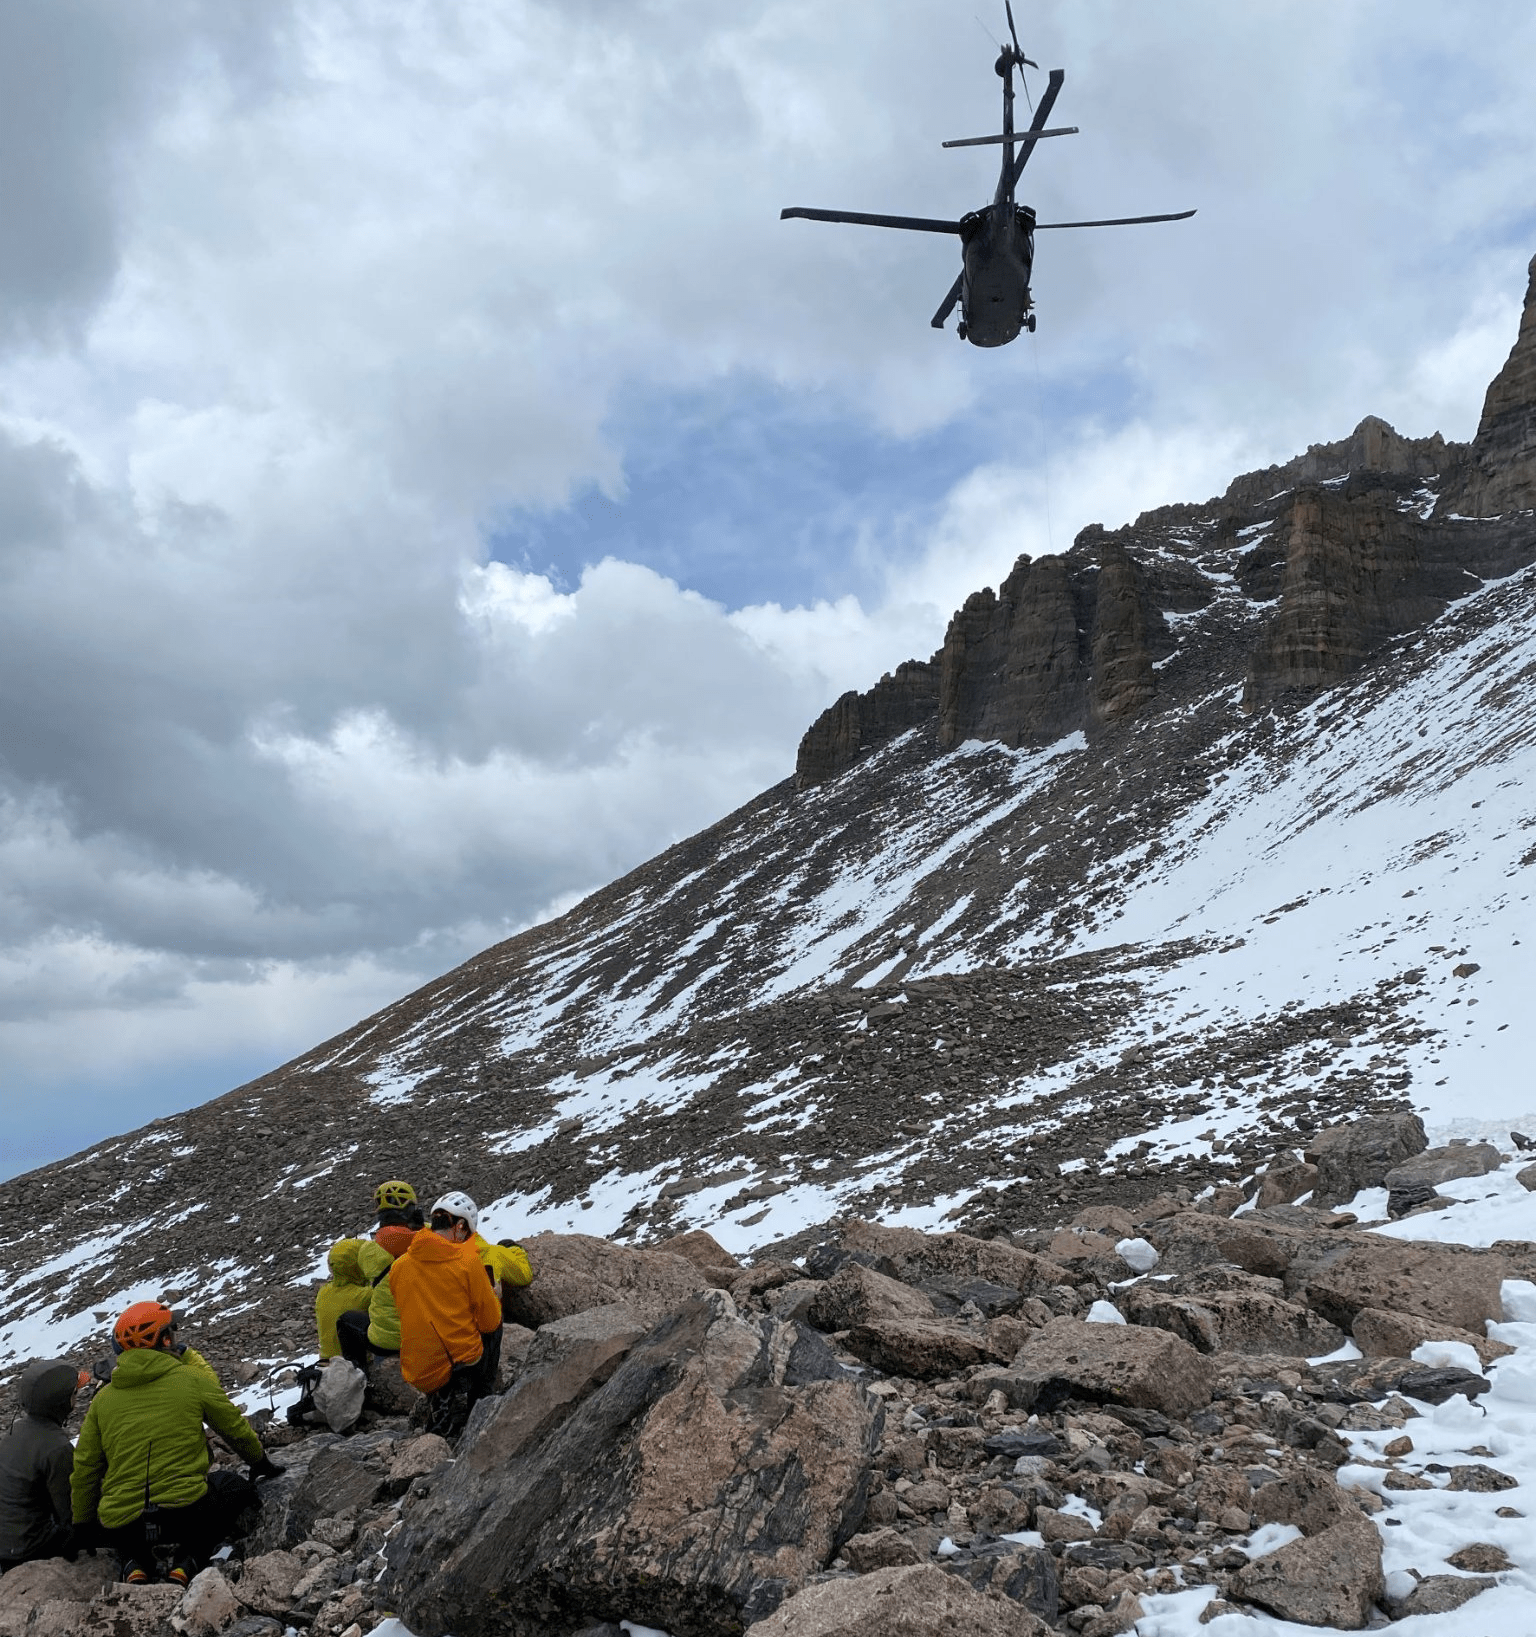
[[376, 1329], [141, 1464]]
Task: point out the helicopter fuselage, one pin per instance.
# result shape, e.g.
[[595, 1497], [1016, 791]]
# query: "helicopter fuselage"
[[999, 251]]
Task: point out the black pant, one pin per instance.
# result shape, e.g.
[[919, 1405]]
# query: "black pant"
[[449, 1406], [194, 1531], [51, 1545], [352, 1333]]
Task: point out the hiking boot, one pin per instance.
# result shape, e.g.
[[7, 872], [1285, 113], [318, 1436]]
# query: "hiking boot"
[[135, 1574], [182, 1571]]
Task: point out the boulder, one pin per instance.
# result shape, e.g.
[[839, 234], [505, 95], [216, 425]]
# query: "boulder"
[[568, 1361], [1023, 1574], [209, 1605], [119, 1611], [1437, 1165], [1439, 1594], [388, 1391], [917, 1602], [51, 1580], [340, 1478], [577, 1272], [703, 1250], [1195, 1239], [266, 1583], [415, 1458], [1286, 1179], [919, 1258], [856, 1294], [1379, 1334], [1234, 1321], [1309, 1499], [1343, 1273], [1359, 1155], [922, 1351], [880, 1549], [1120, 1364], [1329, 1579], [722, 1464]]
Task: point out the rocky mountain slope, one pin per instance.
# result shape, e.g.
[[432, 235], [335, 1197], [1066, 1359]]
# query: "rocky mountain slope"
[[1191, 842]]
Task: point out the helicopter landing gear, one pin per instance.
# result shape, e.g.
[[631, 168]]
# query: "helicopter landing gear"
[[960, 329], [1029, 323]]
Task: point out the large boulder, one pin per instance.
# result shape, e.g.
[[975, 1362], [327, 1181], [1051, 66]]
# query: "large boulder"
[[1359, 1155], [938, 1259], [917, 1602], [51, 1580], [1453, 1284], [1196, 1239], [1237, 1321], [1329, 1579], [722, 1464], [1379, 1334], [119, 1611], [1119, 1364], [1437, 1165], [920, 1349], [574, 1272], [856, 1294]]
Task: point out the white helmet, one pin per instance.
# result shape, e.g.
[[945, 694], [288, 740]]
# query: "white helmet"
[[461, 1206]]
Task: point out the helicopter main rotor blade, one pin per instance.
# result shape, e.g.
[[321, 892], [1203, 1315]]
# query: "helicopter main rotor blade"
[[1119, 221], [913, 224], [1009, 136], [1037, 124], [947, 306]]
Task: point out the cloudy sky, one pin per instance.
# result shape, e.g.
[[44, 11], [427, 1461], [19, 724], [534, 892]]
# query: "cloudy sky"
[[432, 479]]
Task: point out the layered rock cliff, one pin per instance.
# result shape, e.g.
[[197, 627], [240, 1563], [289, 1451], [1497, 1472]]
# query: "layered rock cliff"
[[1499, 475], [1316, 567]]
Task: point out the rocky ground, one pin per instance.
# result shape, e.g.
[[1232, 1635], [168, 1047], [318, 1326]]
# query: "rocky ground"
[[887, 1431]]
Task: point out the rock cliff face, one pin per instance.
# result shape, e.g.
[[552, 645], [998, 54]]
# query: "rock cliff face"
[[1499, 476], [1314, 567]]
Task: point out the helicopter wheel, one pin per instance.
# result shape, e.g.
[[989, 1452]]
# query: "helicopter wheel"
[[1029, 323], [960, 330]]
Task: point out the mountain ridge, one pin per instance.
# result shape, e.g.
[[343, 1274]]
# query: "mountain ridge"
[[1194, 910]]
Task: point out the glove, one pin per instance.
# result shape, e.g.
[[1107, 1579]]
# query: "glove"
[[266, 1467]]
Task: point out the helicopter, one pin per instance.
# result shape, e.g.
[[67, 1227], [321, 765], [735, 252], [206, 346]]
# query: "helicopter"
[[997, 241]]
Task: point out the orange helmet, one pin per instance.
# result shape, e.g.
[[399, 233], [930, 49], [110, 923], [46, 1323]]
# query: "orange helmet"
[[142, 1325]]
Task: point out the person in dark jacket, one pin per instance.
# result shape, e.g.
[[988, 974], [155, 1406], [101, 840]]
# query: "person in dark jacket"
[[36, 1459]]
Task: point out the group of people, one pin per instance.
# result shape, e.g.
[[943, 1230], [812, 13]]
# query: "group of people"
[[138, 1479], [424, 1288]]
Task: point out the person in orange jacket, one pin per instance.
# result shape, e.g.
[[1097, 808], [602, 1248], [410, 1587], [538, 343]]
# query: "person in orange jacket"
[[450, 1318]]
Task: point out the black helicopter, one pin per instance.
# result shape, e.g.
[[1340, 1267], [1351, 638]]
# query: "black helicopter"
[[998, 240]]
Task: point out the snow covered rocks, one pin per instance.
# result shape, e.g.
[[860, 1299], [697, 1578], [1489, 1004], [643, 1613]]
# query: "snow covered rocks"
[[718, 1467]]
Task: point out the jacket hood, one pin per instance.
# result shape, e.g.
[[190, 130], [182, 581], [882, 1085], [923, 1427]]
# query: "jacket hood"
[[143, 1364], [395, 1237], [343, 1263], [46, 1388], [432, 1247]]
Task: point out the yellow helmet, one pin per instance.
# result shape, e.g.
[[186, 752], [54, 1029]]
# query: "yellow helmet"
[[393, 1196]]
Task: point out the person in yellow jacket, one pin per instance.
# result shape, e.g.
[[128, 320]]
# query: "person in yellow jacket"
[[346, 1291], [141, 1463], [450, 1317], [374, 1327]]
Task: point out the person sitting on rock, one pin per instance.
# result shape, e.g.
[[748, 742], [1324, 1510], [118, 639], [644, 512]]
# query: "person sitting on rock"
[[36, 1458], [141, 1465], [506, 1262], [374, 1328], [348, 1290], [450, 1318]]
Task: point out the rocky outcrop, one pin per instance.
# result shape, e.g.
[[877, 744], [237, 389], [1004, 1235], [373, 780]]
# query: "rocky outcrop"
[[1499, 475], [1360, 1154], [1359, 569], [571, 1267], [1330, 1579], [1373, 446], [1120, 1364], [734, 1462], [861, 722]]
